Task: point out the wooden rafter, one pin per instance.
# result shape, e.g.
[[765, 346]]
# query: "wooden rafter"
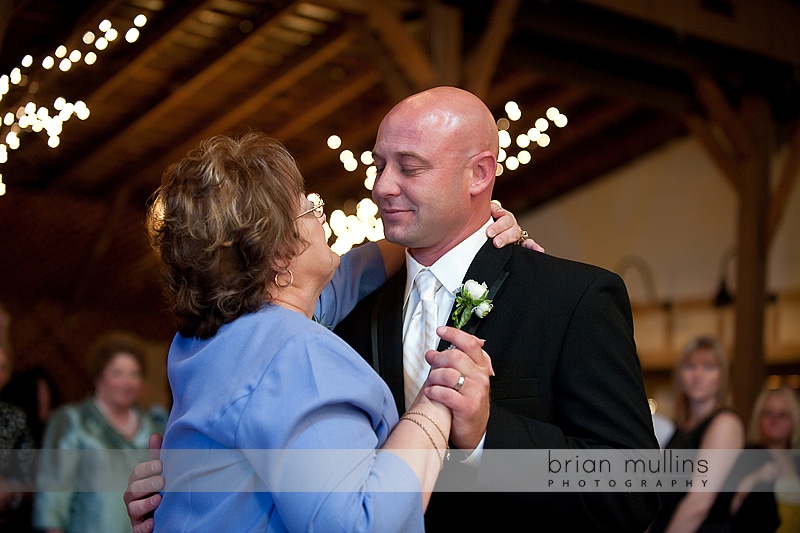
[[720, 112], [120, 143], [702, 131], [404, 49], [483, 63], [786, 181], [246, 108], [446, 43], [737, 23], [312, 115]]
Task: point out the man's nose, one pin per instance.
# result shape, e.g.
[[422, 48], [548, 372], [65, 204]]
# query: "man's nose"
[[385, 185]]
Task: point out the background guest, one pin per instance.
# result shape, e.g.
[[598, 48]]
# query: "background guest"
[[32, 389], [35, 391], [16, 458], [703, 421], [109, 420], [768, 497], [6, 363]]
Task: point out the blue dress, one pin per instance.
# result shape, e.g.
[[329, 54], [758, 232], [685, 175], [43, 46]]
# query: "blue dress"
[[275, 425]]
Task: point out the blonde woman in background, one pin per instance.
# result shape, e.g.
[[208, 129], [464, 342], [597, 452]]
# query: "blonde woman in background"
[[703, 421], [775, 428]]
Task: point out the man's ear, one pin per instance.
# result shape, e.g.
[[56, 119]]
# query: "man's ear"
[[484, 166]]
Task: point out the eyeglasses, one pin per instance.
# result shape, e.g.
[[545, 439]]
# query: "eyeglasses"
[[318, 204]]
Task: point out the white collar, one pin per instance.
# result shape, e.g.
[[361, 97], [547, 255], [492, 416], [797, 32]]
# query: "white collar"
[[451, 268]]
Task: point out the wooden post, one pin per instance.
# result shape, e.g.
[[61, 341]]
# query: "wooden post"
[[743, 156], [751, 296]]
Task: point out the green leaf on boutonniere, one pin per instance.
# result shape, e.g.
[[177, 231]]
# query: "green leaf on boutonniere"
[[471, 297]]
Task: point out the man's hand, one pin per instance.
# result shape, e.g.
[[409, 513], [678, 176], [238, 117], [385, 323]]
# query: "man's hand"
[[141, 497], [468, 398]]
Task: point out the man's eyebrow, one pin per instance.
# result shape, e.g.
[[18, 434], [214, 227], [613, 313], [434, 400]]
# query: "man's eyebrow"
[[401, 155]]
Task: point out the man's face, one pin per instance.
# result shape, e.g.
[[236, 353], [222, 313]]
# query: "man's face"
[[421, 189]]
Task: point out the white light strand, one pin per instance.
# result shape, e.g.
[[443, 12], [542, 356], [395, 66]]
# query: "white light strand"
[[36, 119], [353, 229], [533, 138]]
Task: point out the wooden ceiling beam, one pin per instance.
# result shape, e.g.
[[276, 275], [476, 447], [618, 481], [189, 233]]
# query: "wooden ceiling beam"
[[767, 28], [235, 116], [446, 43], [592, 124], [786, 181], [703, 132], [326, 106], [121, 142], [403, 48], [594, 33], [539, 183], [580, 72], [719, 111], [482, 64], [164, 42]]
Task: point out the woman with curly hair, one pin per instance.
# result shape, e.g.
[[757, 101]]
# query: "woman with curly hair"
[[277, 424]]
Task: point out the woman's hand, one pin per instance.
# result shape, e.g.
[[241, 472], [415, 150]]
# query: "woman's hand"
[[459, 379], [505, 230], [141, 497]]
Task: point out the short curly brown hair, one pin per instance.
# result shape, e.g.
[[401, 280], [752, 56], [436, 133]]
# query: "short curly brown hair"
[[111, 344], [223, 223]]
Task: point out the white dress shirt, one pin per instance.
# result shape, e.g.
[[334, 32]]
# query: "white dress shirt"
[[450, 270]]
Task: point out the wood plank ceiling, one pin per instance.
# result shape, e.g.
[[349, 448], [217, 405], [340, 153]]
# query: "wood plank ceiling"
[[74, 261]]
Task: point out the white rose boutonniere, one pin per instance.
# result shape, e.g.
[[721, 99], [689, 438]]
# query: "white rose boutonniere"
[[471, 297]]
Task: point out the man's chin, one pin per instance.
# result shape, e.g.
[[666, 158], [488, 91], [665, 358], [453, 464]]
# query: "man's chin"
[[396, 236]]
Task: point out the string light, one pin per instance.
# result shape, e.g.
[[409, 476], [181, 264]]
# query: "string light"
[[34, 118], [353, 229], [533, 138]]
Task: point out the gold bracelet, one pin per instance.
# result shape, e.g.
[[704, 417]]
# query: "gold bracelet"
[[433, 442], [446, 444]]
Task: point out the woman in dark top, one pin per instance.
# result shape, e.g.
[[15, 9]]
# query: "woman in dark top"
[[703, 422]]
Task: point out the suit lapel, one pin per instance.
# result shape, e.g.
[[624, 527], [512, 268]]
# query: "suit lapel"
[[387, 336], [488, 267], [387, 315]]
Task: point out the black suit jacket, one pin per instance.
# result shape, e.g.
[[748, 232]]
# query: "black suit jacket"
[[567, 376]]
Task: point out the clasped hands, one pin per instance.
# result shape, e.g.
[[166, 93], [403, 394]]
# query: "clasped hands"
[[469, 401], [469, 404]]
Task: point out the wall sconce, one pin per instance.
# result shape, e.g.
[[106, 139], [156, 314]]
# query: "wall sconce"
[[724, 297], [646, 273]]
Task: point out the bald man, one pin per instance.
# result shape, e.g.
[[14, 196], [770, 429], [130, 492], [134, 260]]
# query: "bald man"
[[563, 373], [561, 370]]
